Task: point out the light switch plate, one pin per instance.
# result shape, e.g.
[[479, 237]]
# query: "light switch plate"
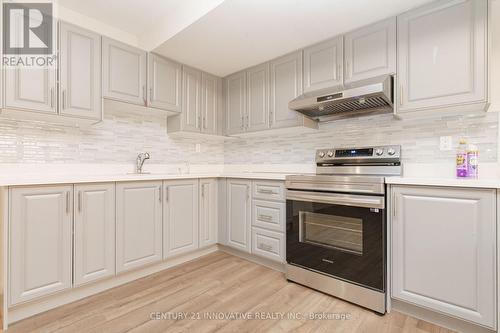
[[445, 143]]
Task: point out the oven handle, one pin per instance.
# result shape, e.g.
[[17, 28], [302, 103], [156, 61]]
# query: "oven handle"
[[367, 201]]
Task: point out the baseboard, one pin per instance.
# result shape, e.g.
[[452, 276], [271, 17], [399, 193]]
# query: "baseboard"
[[280, 267], [32, 308], [439, 319]]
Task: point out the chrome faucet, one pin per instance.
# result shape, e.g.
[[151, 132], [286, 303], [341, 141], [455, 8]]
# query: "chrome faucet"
[[141, 158]]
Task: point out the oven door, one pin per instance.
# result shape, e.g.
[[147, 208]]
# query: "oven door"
[[342, 235]]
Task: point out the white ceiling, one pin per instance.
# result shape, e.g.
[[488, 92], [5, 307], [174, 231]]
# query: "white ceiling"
[[224, 36], [241, 33]]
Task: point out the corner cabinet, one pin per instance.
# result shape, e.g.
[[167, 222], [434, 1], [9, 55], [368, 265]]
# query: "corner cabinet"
[[138, 224], [180, 217], [370, 51], [124, 72], [323, 65], [442, 56], [40, 237], [164, 82], [208, 212], [235, 93], [79, 72], [443, 246], [239, 215], [94, 232]]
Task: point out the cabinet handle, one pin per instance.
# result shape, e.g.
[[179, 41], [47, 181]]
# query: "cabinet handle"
[[204, 122], [166, 193], [159, 193], [265, 247], [203, 190], [64, 99], [242, 122], [248, 192], [67, 202], [248, 123], [199, 122], [264, 191], [79, 201], [265, 217], [51, 98]]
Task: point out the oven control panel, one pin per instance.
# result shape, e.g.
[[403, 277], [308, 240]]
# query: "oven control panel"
[[366, 154]]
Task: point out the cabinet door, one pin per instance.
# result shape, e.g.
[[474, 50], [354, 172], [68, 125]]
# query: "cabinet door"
[[210, 91], [94, 240], [180, 222], [370, 51], [444, 251], [208, 212], [442, 55], [79, 72], [323, 65], [124, 72], [239, 214], [32, 89], [285, 84], [191, 99], [40, 241], [138, 224], [235, 103], [257, 117], [164, 80]]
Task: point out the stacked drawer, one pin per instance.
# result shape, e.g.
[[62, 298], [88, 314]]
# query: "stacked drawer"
[[268, 219]]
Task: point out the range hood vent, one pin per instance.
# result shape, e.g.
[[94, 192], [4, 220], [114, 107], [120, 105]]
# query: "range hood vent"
[[367, 97]]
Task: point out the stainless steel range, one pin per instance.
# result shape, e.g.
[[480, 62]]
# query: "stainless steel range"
[[335, 224]]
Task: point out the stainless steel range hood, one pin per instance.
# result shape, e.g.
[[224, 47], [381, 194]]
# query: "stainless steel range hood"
[[367, 97]]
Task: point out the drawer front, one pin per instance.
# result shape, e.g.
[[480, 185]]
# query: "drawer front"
[[268, 244], [269, 215], [269, 190]]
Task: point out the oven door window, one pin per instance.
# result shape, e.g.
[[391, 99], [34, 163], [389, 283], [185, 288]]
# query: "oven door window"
[[346, 242], [332, 231]]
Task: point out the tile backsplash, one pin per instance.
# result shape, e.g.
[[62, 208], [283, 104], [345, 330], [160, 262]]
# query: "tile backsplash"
[[419, 139], [120, 137]]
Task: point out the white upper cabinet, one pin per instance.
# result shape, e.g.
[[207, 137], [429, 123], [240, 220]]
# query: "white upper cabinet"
[[285, 85], [257, 98], [210, 102], [323, 65], [124, 72], [79, 72], [180, 217], [164, 81], [370, 51], [191, 104], [239, 215], [138, 224], [40, 235], [94, 233], [208, 212], [442, 52], [235, 103], [32, 89], [445, 259]]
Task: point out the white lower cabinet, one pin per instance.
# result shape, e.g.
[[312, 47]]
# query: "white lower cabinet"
[[268, 244], [443, 247], [180, 217], [94, 233], [208, 212], [138, 224], [40, 232], [239, 206]]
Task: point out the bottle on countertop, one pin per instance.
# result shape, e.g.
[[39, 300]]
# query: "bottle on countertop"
[[472, 161], [461, 159]]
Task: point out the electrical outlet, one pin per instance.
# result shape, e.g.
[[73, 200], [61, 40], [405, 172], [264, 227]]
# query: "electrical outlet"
[[197, 147], [445, 143]]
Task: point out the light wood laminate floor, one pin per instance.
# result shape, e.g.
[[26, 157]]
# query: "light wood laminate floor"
[[216, 285]]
